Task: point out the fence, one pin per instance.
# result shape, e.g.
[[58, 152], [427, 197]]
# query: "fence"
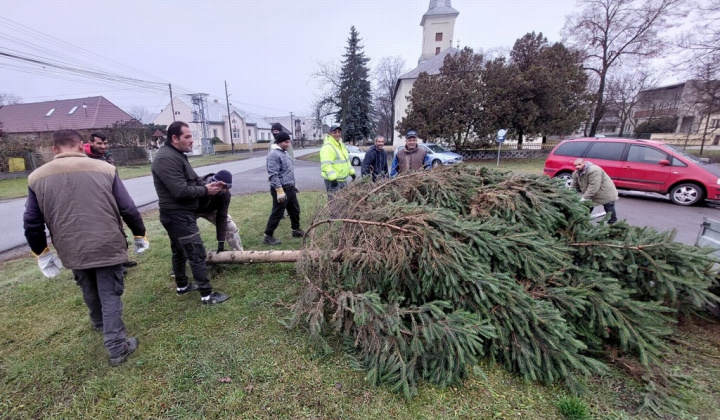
[[127, 156]]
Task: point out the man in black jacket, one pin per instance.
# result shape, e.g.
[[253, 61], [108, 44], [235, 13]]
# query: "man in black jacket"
[[375, 162], [181, 193]]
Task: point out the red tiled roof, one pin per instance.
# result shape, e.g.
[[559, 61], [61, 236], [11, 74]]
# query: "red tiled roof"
[[33, 118]]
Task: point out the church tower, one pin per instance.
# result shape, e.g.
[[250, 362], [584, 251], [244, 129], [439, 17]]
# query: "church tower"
[[438, 27]]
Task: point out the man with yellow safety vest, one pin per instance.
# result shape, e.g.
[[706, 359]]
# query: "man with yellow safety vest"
[[335, 162]]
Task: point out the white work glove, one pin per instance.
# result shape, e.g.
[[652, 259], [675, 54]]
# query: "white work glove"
[[49, 263], [583, 199], [281, 196], [141, 244]]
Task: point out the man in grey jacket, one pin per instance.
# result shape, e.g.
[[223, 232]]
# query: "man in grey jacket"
[[282, 189], [83, 204], [596, 186]]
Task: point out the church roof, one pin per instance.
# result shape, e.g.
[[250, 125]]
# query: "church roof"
[[431, 66], [439, 8]]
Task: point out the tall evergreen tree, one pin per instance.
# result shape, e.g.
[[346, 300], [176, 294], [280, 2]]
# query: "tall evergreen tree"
[[355, 111]]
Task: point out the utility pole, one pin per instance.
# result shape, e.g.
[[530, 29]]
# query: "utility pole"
[[172, 105], [227, 100], [292, 127]]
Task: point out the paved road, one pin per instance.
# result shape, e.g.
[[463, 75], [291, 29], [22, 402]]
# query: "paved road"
[[248, 176], [639, 209]]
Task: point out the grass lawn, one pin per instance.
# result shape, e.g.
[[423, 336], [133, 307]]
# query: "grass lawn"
[[236, 360], [15, 188]]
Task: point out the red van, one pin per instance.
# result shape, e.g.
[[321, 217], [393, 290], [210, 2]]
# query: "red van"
[[641, 165]]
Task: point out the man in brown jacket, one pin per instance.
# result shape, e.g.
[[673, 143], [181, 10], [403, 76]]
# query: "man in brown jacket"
[[83, 204], [411, 157]]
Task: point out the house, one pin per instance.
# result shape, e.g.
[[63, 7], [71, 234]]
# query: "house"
[[40, 119], [438, 25], [233, 132], [688, 111], [301, 127]]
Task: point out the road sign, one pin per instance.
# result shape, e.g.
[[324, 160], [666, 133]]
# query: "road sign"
[[501, 136]]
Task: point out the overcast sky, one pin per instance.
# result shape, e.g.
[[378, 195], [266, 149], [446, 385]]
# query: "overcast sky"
[[266, 50]]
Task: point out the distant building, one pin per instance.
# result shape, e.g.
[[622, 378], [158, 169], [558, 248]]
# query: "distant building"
[[216, 119], [686, 107], [438, 25], [42, 118]]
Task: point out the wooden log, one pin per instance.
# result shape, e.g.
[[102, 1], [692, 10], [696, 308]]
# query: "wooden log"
[[244, 257]]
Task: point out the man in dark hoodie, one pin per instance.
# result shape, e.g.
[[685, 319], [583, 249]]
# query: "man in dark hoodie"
[[375, 162]]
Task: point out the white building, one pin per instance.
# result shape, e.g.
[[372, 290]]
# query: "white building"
[[438, 25], [438, 28]]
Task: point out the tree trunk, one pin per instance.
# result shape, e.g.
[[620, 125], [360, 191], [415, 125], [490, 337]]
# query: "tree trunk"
[[243, 257], [599, 107]]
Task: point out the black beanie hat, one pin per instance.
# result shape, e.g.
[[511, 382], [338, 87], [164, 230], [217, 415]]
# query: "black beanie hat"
[[281, 137], [223, 176], [276, 126]]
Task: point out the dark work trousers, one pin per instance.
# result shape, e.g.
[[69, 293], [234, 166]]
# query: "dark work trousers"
[[187, 246], [278, 210], [102, 290], [610, 208], [331, 190]]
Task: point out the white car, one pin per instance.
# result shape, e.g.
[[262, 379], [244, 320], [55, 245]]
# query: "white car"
[[356, 155]]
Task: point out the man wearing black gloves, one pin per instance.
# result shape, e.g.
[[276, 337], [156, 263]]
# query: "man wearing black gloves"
[[282, 188], [181, 194], [83, 203]]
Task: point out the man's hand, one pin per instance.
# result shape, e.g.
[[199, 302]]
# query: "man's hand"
[[352, 176], [141, 244], [221, 246], [49, 264], [281, 196], [215, 187], [333, 184]]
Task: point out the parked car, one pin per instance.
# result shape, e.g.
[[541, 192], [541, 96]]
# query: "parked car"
[[438, 155], [356, 155], [641, 165]]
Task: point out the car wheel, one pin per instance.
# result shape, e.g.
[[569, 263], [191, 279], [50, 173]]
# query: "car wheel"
[[686, 194], [436, 163], [566, 177], [356, 161]]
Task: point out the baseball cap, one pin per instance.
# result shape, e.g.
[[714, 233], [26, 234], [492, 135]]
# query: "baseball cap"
[[411, 133]]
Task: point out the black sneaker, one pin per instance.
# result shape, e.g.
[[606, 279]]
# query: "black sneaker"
[[214, 298], [131, 346], [270, 240], [298, 233], [129, 264], [192, 287]]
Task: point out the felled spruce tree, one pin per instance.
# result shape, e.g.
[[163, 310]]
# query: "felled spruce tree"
[[428, 272]]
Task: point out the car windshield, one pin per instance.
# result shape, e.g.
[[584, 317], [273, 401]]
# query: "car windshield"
[[686, 155], [436, 149]]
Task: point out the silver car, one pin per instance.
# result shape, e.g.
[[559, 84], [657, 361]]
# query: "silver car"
[[356, 155], [438, 155]]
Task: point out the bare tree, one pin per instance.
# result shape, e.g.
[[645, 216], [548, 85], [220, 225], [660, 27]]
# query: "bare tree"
[[387, 73], [327, 101], [703, 38], [138, 112], [9, 99], [623, 88], [610, 31], [706, 84]]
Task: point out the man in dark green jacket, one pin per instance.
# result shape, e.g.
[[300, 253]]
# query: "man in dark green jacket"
[[180, 193]]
